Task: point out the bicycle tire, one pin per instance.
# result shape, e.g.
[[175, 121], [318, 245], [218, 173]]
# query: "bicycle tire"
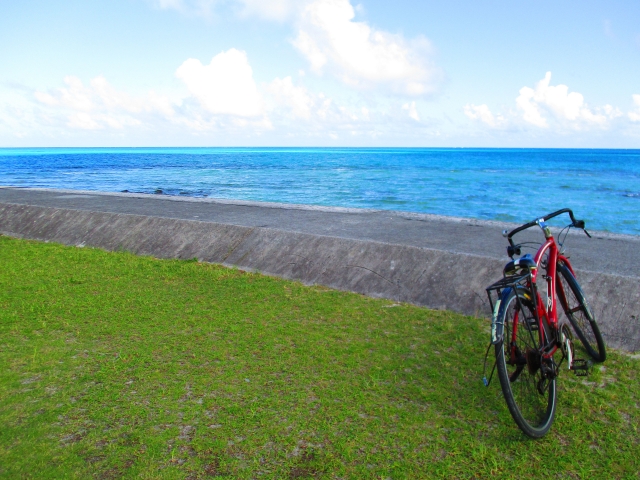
[[530, 395], [580, 316]]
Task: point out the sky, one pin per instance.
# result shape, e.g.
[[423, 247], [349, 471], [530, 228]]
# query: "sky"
[[461, 73]]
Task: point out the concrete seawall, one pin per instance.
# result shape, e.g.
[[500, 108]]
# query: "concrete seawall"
[[427, 260]]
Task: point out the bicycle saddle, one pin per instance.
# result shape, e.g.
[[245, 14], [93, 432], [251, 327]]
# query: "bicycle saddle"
[[526, 262]]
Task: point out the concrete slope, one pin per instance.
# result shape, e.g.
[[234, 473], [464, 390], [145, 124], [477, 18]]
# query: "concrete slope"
[[427, 260]]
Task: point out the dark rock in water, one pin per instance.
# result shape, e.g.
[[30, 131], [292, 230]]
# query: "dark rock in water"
[[124, 191], [158, 191]]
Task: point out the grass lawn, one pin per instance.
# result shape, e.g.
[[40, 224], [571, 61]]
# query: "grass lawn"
[[117, 366]]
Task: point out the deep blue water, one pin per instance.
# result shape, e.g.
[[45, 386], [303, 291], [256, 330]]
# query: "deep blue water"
[[602, 186]]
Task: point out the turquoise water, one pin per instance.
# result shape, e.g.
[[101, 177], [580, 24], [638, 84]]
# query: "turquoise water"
[[602, 186]]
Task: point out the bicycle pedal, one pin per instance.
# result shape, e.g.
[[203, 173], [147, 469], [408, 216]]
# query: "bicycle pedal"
[[580, 367]]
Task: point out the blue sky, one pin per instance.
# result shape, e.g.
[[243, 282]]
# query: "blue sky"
[[320, 73]]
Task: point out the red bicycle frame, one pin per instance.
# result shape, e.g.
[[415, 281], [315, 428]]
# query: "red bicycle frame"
[[547, 314]]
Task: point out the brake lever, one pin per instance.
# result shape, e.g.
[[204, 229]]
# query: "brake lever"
[[585, 231]]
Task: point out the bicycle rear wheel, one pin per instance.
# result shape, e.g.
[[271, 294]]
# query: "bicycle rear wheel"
[[579, 314], [530, 392]]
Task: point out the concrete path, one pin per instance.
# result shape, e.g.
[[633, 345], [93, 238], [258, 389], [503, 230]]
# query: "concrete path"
[[436, 261]]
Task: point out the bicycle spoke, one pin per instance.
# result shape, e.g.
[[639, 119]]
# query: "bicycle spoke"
[[579, 314], [530, 396]]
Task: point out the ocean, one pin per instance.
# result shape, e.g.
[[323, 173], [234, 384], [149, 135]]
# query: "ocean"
[[514, 185]]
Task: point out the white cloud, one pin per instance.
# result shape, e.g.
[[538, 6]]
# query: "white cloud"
[[101, 95], [221, 101], [483, 114], [547, 106], [316, 109], [566, 107], [411, 109], [112, 99], [225, 86], [99, 105], [223, 97], [635, 116], [360, 55], [84, 121], [297, 99], [278, 10], [330, 39], [75, 96], [300, 112], [98, 113], [530, 110]]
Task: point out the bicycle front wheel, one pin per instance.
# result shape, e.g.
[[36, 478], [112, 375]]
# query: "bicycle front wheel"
[[529, 390], [579, 314]]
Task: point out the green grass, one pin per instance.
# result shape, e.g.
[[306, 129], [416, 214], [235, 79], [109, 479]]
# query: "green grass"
[[113, 366]]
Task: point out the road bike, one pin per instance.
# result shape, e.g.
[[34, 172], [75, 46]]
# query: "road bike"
[[525, 330]]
